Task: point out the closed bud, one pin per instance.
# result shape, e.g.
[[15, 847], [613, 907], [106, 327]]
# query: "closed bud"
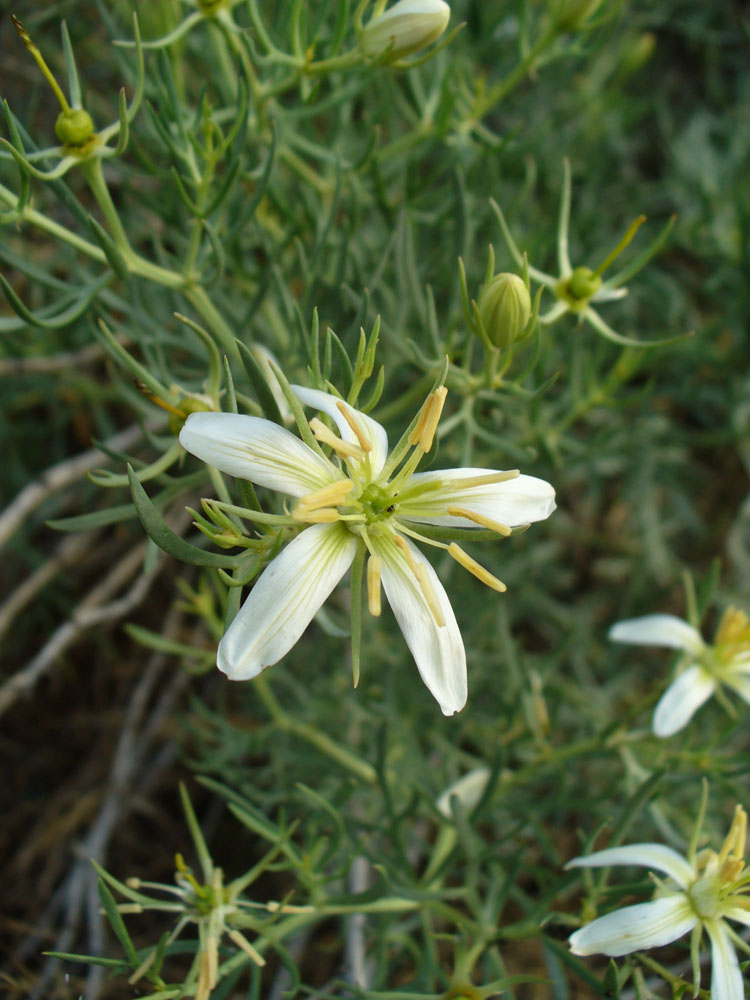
[[408, 26], [504, 309], [569, 15], [74, 127]]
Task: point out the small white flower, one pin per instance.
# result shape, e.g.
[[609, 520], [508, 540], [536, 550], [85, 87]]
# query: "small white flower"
[[360, 499], [703, 890], [408, 26], [704, 668]]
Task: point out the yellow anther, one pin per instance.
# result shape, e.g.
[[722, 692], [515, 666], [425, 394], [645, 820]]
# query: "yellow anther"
[[327, 496], [429, 595], [324, 434], [401, 542], [241, 941], [416, 434], [481, 520], [364, 441], [733, 847], [322, 515], [374, 567], [487, 480], [733, 627], [475, 568], [436, 403]]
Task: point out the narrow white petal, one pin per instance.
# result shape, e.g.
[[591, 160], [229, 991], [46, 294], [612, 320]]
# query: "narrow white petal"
[[516, 501], [726, 977], [681, 700], [658, 630], [372, 430], [284, 600], [438, 651], [646, 925], [256, 449], [664, 859]]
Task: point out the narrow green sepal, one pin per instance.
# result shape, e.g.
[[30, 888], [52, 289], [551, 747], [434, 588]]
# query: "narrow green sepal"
[[118, 924], [158, 531], [357, 572], [110, 249], [269, 406]]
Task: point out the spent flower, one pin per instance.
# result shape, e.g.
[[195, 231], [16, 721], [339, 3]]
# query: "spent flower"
[[579, 289], [704, 667], [357, 501], [702, 892]]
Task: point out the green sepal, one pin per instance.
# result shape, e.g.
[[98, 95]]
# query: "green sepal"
[[443, 533], [156, 528], [268, 404], [611, 981], [96, 519], [109, 248], [106, 963], [154, 640], [118, 924]]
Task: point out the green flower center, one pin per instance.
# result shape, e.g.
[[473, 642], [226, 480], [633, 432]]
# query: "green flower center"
[[377, 503], [579, 287]]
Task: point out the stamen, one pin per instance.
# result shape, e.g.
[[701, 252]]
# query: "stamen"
[[401, 542], [429, 595], [416, 434], [364, 441], [322, 433], [433, 418], [241, 941], [323, 515], [327, 496], [480, 519], [420, 571], [374, 566], [475, 568], [487, 480]]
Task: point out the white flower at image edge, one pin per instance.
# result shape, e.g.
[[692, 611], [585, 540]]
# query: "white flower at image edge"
[[700, 895], [360, 497], [704, 667]]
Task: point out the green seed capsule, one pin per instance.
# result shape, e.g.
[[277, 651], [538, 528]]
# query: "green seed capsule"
[[74, 127]]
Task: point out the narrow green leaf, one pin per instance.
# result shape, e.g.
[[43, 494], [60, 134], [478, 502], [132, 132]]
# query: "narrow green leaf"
[[158, 531], [255, 373]]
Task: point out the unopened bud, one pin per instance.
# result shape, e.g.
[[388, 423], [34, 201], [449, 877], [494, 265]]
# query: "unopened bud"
[[468, 790], [74, 127], [570, 15], [504, 308], [408, 26]]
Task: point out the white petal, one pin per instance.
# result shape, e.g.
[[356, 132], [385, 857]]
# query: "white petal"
[[681, 700], [516, 501], [740, 683], [256, 449], [284, 600], [726, 977], [372, 430], [646, 925], [437, 650], [658, 630], [664, 859]]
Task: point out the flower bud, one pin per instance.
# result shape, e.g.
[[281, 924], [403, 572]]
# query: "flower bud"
[[74, 127], [504, 308], [569, 15], [468, 790], [408, 26]]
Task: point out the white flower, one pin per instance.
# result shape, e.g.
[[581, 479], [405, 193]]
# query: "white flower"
[[409, 25], [703, 890], [360, 499], [704, 667]]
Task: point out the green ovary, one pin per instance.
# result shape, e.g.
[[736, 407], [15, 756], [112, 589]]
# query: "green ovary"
[[375, 501]]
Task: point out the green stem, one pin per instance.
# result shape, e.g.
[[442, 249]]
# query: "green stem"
[[199, 299], [94, 177], [366, 772], [504, 87]]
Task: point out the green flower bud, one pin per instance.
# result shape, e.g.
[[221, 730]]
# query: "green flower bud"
[[569, 15], [408, 26], [504, 308], [578, 288], [74, 127]]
